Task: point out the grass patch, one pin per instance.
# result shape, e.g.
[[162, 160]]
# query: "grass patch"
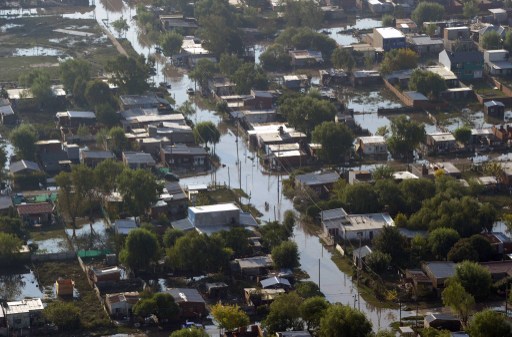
[[93, 317], [47, 232], [12, 67]]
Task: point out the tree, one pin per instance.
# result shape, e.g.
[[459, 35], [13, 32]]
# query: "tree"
[[459, 301], [475, 278], [390, 197], [388, 20], [118, 141], [415, 191], [171, 235], [84, 187], [427, 11], [489, 323], [306, 112], [441, 240], [343, 321], [507, 43], [237, 239], [391, 242], [276, 58], [406, 135], [307, 38], [286, 255], [336, 140], [190, 332], [203, 72], [378, 262], [312, 310], [470, 9], [399, 59], [167, 309], [141, 248], [145, 307], [303, 13], [229, 317], [343, 58], [171, 43], [229, 64], [139, 189], [68, 203], [64, 315], [284, 314], [248, 76], [491, 40], [360, 198], [97, 93], [382, 172], [308, 289], [10, 245], [73, 71], [220, 34], [462, 250], [107, 172], [129, 74], [428, 83], [273, 233], [106, 115], [24, 138], [463, 134], [121, 26], [206, 132]]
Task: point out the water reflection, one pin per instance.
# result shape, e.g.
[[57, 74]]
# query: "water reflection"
[[17, 284]]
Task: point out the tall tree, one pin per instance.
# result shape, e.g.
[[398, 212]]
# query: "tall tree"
[[441, 240], [312, 310], [427, 11], [207, 133], [475, 278], [248, 76], [406, 135], [229, 317], [68, 203], [139, 189], [286, 255], [190, 332], [107, 172], [98, 92], [24, 139], [306, 112], [459, 301], [121, 26], [470, 9], [336, 140], [303, 13], [491, 40], [171, 43], [118, 141], [390, 241], [343, 58], [428, 83], [203, 72], [10, 245], [284, 314], [130, 74], [343, 321], [65, 315], [141, 248], [276, 58], [399, 59], [72, 70], [489, 323]]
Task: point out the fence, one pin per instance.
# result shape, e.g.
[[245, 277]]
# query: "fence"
[[62, 256]]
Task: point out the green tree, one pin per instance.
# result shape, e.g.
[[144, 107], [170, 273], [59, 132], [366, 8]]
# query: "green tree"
[[491, 40], [420, 250], [106, 114], [441, 240], [118, 141], [343, 58], [308, 289], [306, 112], [378, 262], [190, 332], [286, 255], [428, 83], [303, 13], [248, 76], [390, 197], [139, 189], [39, 84], [237, 239], [391, 242], [307, 38], [24, 138], [206, 133], [399, 59], [171, 235], [312, 310], [220, 34], [141, 248], [415, 191], [121, 26], [406, 135], [336, 140], [273, 233], [229, 64], [98, 92], [10, 245], [65, 315], [107, 172], [463, 134], [459, 301], [73, 71], [276, 58], [475, 278], [68, 202], [343, 321], [489, 323], [129, 74], [427, 11], [470, 9], [167, 309], [360, 198], [284, 314], [229, 317], [388, 20], [171, 43], [203, 72], [462, 250], [507, 43], [382, 172]]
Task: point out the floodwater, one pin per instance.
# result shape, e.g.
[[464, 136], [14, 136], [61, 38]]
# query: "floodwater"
[[50, 246], [18, 284], [89, 236], [37, 51]]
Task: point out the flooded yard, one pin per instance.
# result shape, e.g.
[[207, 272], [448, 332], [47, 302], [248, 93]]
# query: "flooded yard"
[[19, 283]]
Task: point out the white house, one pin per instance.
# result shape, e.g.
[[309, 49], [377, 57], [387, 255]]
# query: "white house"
[[496, 62], [23, 314], [121, 304], [371, 146]]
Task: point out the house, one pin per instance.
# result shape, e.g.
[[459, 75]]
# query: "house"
[[125, 226], [371, 146], [48, 145], [354, 226], [138, 160], [73, 119], [23, 166], [214, 215], [181, 156], [359, 255], [55, 161], [285, 155], [144, 102], [425, 45], [500, 30], [64, 287], [388, 38], [365, 77], [438, 272], [275, 283], [320, 182], [175, 133], [92, 158], [422, 286], [442, 322], [176, 200], [254, 266], [378, 7], [495, 109], [296, 82], [221, 86], [449, 77], [112, 274], [256, 297], [458, 39], [496, 62], [483, 136], [192, 51], [6, 205], [264, 135], [304, 58], [190, 301], [429, 170], [499, 15], [440, 142], [359, 176], [406, 331], [6, 112], [467, 65], [499, 270], [406, 25], [121, 304], [216, 289], [36, 213], [333, 77], [500, 243], [24, 314], [178, 22]]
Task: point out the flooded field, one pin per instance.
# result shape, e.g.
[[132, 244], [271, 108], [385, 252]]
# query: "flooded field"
[[19, 283]]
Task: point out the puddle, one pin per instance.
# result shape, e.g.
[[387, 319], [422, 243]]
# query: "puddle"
[[6, 27], [49, 246], [89, 236], [18, 284], [37, 51]]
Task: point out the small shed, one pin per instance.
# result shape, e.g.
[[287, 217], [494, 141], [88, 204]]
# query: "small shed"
[[64, 287], [360, 254], [495, 109], [216, 289], [406, 331], [442, 322], [275, 283]]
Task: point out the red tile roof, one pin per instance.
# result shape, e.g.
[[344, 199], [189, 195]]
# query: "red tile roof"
[[35, 208]]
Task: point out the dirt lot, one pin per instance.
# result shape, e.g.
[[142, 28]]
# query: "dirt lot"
[[43, 41]]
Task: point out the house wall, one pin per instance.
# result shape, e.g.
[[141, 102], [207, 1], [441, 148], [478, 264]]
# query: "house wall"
[[367, 235], [214, 218]]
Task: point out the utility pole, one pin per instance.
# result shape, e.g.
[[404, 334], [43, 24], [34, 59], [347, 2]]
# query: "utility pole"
[[319, 274]]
